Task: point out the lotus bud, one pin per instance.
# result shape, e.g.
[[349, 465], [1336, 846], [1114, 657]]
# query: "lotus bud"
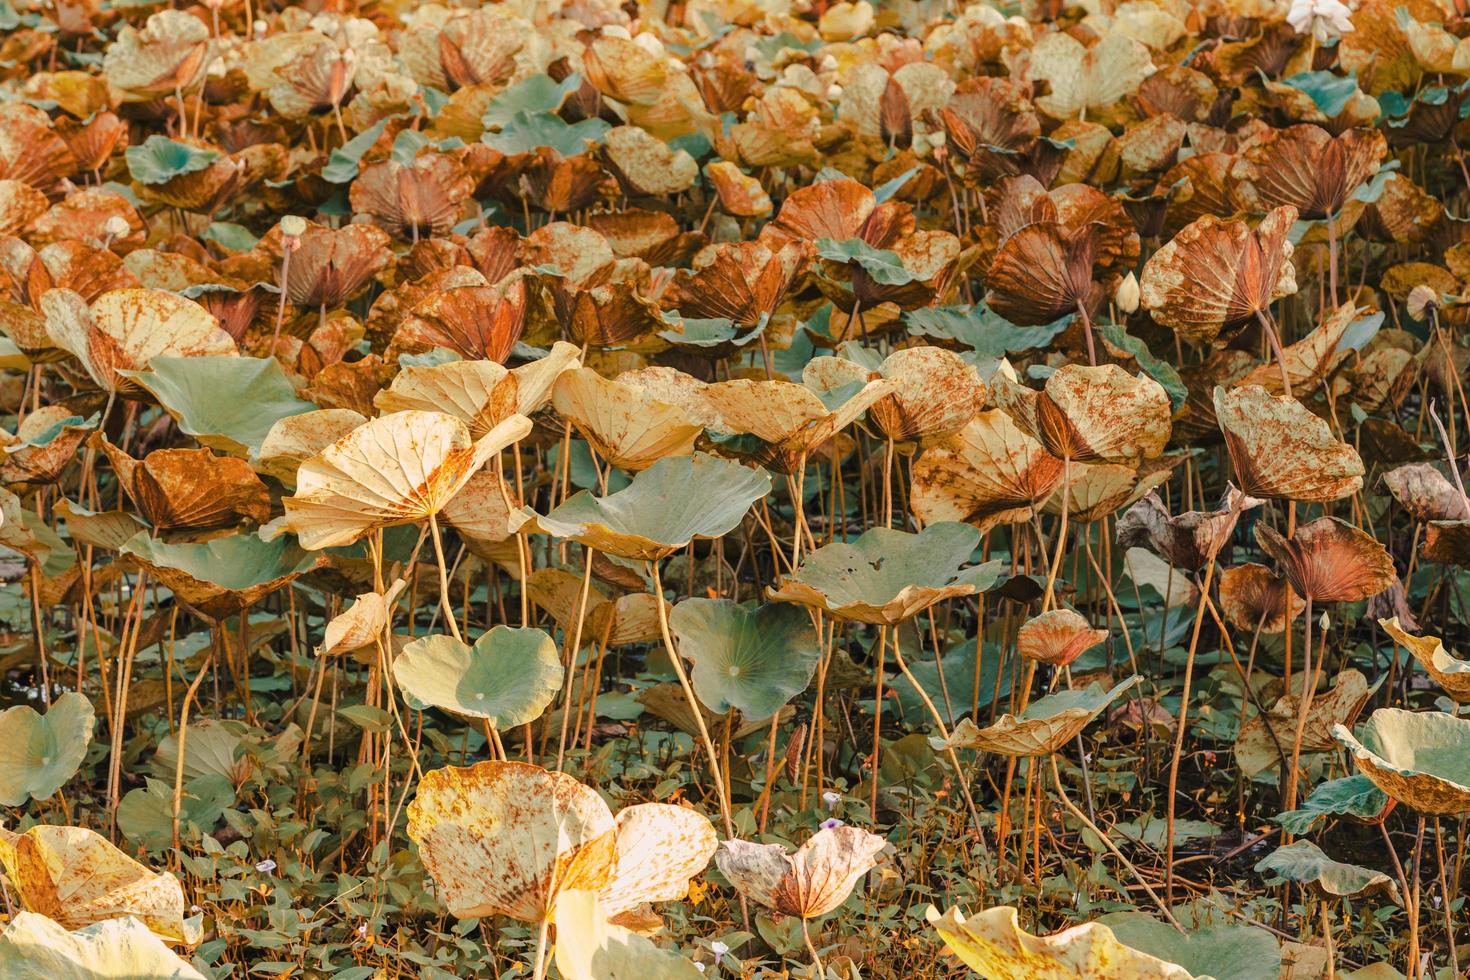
[[1422, 297], [261, 28], [116, 227], [616, 30], [831, 799], [293, 226], [1125, 297], [834, 92], [829, 63], [1325, 622]]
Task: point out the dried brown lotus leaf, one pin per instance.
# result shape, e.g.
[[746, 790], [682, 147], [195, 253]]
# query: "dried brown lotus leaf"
[[20, 204], [1044, 727], [480, 322], [1057, 637], [1083, 78], [1097, 490], [1280, 450], [624, 70], [1448, 541], [624, 423], [809, 883], [788, 416], [1091, 414], [190, 489], [989, 473], [361, 623], [333, 265], [740, 194], [741, 281], [1255, 748], [1313, 358], [1307, 168], [647, 164], [411, 200], [1426, 493], [1328, 560], [296, 438]]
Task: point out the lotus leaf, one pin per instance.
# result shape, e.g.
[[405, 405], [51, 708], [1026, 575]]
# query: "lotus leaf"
[[227, 403], [1421, 759], [1046, 725], [752, 659], [42, 752], [507, 678], [35, 948], [1304, 862]]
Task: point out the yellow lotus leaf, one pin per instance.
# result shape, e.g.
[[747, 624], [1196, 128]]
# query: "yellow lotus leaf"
[[1447, 670], [360, 623], [935, 392], [740, 194], [789, 416], [294, 439], [396, 469], [1311, 359], [994, 945], [846, 21], [167, 53], [1083, 78], [77, 877], [647, 163], [809, 883], [1045, 726], [1281, 450], [1091, 414], [1097, 490], [620, 621], [1256, 750], [989, 473], [126, 328], [625, 424], [507, 838], [624, 70], [35, 948], [588, 947]]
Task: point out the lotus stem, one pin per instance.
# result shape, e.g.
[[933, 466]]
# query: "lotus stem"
[[694, 705], [817, 969], [444, 601], [1304, 705], [571, 657], [1275, 343], [183, 734], [1056, 564], [877, 717], [1087, 333]]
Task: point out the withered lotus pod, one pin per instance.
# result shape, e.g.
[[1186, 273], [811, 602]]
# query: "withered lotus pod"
[[1307, 168], [1091, 414], [743, 282], [413, 200], [1215, 276], [476, 322], [333, 265], [126, 328], [1188, 541], [1057, 637], [989, 473], [1280, 450], [189, 489], [1252, 597], [1329, 560]]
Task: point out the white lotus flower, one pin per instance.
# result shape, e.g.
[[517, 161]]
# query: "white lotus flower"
[[1326, 19]]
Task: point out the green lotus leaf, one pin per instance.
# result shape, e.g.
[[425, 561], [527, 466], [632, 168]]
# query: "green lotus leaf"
[[146, 815], [1045, 726], [1224, 952], [35, 948], [754, 658], [882, 265], [1421, 759], [1305, 863], [159, 160], [981, 329], [887, 576], [227, 403], [526, 132], [507, 678], [39, 753], [674, 501], [539, 93], [1352, 796], [222, 576]]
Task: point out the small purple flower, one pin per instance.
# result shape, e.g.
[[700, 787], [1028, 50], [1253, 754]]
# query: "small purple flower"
[[831, 799], [719, 949], [266, 867], [831, 823]]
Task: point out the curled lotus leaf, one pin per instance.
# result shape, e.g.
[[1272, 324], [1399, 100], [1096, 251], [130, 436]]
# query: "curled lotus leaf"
[[808, 883], [790, 417], [507, 838], [33, 947], [994, 945], [228, 403], [754, 659], [1447, 670], [506, 678], [1091, 414], [1329, 560], [674, 501], [41, 752], [395, 469], [1046, 725], [361, 623], [1262, 740], [1280, 450], [1305, 863], [77, 877], [221, 576], [482, 394], [294, 439], [989, 473], [1057, 637], [887, 576], [624, 423], [1421, 759], [936, 392]]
